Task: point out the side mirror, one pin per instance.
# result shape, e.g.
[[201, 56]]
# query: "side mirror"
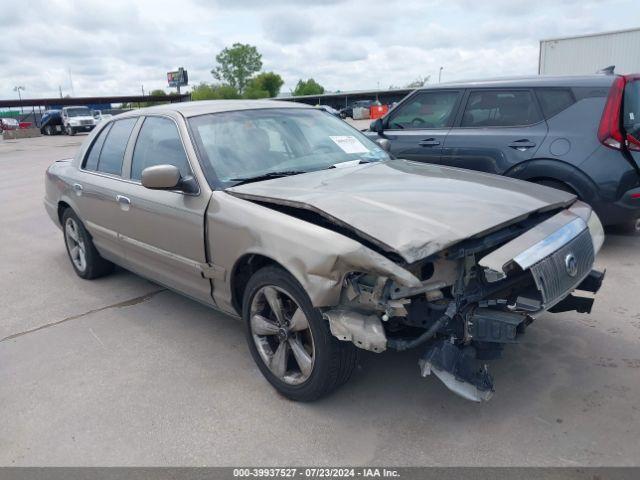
[[377, 126], [161, 177], [384, 144]]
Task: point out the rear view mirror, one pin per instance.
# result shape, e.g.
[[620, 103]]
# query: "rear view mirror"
[[376, 126], [161, 177], [384, 144]]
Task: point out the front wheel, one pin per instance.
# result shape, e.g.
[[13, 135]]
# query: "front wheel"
[[290, 341], [85, 259]]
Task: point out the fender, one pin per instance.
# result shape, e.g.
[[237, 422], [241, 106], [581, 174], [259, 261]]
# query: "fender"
[[553, 169]]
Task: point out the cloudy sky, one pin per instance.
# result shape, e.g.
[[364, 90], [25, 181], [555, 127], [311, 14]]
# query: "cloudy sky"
[[114, 47]]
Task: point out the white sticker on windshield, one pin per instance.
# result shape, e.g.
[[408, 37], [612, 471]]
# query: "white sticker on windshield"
[[631, 116], [349, 144]]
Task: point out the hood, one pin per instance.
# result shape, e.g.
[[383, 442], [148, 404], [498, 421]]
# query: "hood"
[[408, 208]]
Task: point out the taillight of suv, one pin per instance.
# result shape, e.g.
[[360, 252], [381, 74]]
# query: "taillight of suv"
[[620, 122]]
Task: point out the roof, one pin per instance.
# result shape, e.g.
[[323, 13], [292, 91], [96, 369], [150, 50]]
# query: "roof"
[[587, 35], [595, 80], [192, 109]]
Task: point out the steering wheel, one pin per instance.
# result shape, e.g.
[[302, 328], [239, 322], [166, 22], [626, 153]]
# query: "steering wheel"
[[419, 122], [321, 148]]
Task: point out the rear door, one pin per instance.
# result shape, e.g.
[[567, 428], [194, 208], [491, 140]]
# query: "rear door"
[[162, 231], [418, 127], [497, 129], [98, 180]]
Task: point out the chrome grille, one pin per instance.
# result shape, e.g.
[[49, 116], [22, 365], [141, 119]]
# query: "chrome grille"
[[86, 122], [551, 273]]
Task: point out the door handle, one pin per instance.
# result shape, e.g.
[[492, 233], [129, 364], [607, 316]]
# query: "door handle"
[[428, 142], [522, 145], [124, 202], [77, 188]]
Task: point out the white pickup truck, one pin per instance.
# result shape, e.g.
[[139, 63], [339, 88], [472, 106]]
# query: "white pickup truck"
[[77, 119]]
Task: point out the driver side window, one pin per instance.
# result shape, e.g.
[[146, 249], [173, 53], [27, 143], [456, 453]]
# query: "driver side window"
[[425, 110]]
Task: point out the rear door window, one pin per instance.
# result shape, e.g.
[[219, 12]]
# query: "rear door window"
[[425, 110], [554, 100], [500, 108], [91, 161], [631, 109], [115, 144]]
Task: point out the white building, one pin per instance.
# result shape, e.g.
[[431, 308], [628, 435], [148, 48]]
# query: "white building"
[[589, 53]]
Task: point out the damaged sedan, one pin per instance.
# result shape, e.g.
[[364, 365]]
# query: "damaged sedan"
[[322, 243]]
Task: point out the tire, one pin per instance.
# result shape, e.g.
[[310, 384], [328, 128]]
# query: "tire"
[[632, 227], [69, 130], [331, 361], [85, 259], [48, 130]]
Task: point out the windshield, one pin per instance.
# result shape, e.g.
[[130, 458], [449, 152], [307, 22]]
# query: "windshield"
[[251, 143], [79, 112]]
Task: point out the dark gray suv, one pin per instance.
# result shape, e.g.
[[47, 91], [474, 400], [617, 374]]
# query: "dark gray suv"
[[576, 133]]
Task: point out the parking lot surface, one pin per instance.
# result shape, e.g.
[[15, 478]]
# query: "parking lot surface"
[[119, 371]]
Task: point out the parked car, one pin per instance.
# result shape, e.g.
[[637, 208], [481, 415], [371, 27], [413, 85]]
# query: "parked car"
[[348, 110], [101, 117], [51, 123], [305, 228], [77, 119], [8, 124], [329, 109], [574, 133]]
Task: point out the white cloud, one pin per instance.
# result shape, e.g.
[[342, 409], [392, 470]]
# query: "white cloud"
[[114, 47]]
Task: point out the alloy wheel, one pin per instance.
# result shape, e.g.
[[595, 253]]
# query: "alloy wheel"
[[282, 335], [75, 244]]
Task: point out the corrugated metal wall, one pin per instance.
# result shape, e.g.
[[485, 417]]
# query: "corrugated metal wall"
[[588, 54]]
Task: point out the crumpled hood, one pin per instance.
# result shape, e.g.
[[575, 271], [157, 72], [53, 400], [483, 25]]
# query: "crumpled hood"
[[412, 209]]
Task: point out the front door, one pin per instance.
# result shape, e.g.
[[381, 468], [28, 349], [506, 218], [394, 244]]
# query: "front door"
[[418, 127], [498, 129]]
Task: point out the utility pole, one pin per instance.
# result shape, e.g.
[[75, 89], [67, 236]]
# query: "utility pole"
[[17, 89], [440, 74], [142, 90], [60, 90], [73, 93]]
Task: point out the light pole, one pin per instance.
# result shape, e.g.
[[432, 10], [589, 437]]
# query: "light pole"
[[440, 74], [17, 89]]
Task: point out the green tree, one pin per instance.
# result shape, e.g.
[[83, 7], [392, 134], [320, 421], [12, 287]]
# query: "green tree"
[[308, 87], [154, 93], [269, 81], [207, 91], [236, 65], [254, 90]]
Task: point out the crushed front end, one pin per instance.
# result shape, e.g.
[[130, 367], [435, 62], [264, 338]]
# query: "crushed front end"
[[476, 296]]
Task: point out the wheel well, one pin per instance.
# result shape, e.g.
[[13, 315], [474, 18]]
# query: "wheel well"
[[569, 188], [62, 206], [244, 268]]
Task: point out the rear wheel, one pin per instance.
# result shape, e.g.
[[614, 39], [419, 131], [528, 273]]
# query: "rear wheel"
[[290, 341], [85, 259]]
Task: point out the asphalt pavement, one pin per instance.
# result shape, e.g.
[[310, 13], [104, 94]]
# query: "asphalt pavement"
[[119, 371]]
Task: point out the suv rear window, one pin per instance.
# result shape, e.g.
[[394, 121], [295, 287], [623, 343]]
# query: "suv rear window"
[[554, 100], [631, 119], [500, 108]]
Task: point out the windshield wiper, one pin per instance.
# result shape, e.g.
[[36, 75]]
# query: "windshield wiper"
[[266, 176]]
